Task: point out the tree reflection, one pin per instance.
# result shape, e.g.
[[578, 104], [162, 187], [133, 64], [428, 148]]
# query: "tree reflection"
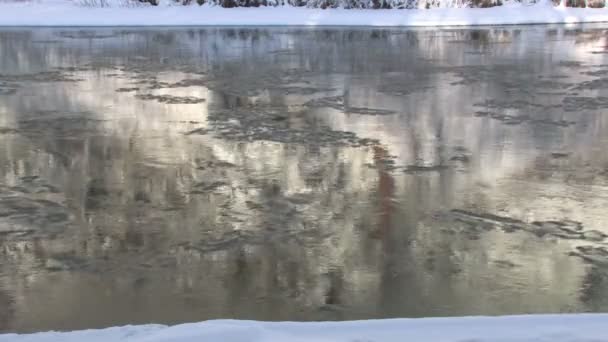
[[167, 227]]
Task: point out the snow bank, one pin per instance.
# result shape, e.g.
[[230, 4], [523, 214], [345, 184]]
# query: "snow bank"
[[66, 13], [537, 328]]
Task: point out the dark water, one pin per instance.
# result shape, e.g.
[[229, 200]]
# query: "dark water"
[[172, 175]]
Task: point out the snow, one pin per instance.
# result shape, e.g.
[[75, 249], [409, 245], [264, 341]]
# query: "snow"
[[537, 328], [69, 13]]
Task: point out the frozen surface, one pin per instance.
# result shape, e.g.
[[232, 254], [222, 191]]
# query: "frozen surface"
[[537, 328], [65, 13]]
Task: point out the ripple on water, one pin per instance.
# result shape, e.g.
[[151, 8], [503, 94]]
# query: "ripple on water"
[[24, 209]]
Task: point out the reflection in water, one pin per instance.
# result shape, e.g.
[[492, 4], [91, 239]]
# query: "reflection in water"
[[300, 174]]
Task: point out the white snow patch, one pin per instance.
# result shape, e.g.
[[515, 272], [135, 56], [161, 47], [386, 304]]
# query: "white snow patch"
[[537, 328], [69, 13]]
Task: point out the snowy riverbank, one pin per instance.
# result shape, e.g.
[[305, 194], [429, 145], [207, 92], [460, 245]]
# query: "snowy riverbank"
[[553, 328], [67, 13]]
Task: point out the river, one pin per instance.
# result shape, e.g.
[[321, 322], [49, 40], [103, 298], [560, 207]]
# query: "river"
[[169, 175]]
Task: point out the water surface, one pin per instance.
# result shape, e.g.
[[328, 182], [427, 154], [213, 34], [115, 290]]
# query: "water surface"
[[174, 175]]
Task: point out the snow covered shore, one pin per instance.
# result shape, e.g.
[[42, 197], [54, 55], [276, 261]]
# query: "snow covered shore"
[[538, 328], [67, 13]]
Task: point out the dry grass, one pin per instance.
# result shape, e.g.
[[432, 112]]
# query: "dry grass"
[[94, 3]]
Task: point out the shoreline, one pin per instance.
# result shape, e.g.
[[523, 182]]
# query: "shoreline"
[[66, 14], [523, 328]]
